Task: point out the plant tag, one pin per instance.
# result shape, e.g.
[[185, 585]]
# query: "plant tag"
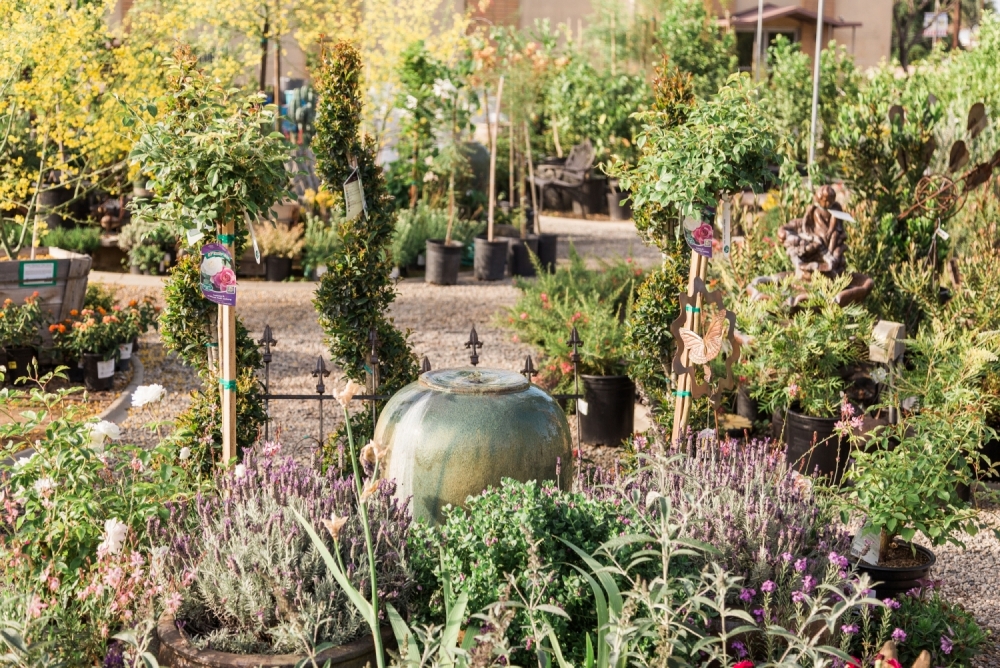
[[37, 273], [218, 280], [866, 544], [125, 350], [841, 215], [253, 236], [582, 406], [941, 233], [194, 236], [354, 196], [698, 236], [727, 231], [105, 369], [320, 270]]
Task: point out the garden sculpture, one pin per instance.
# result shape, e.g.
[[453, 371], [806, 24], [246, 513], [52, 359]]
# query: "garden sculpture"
[[816, 241]]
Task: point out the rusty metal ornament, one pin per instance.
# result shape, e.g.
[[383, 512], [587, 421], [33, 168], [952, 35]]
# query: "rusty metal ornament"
[[938, 196], [687, 304]]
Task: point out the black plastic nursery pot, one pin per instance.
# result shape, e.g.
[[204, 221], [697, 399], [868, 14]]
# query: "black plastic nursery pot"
[[18, 362], [491, 258], [124, 362], [813, 448], [895, 580], [547, 247], [443, 262], [278, 268], [608, 417], [519, 258], [176, 651], [618, 208], [99, 373]]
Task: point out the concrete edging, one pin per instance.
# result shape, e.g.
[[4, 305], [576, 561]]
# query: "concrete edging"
[[117, 412]]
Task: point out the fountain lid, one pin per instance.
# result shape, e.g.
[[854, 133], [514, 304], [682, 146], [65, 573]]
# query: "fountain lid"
[[472, 380]]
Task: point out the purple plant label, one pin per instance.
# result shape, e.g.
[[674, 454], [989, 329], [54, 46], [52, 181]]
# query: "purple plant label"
[[699, 235], [218, 279]]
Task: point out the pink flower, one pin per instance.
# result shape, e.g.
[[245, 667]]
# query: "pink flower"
[[224, 279], [702, 233], [36, 607], [173, 603], [524, 316], [793, 390]]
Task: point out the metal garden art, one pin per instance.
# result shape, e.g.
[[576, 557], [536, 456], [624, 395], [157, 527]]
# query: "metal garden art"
[[693, 155]]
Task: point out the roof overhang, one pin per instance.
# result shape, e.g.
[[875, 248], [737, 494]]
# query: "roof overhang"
[[748, 18]]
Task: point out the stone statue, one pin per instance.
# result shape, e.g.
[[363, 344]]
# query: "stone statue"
[[816, 241]]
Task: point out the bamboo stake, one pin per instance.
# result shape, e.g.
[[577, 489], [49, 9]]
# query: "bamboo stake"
[[492, 128], [531, 180], [227, 362], [682, 381]]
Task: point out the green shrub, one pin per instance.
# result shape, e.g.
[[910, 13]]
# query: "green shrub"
[[478, 546], [99, 296], [78, 239], [415, 226]]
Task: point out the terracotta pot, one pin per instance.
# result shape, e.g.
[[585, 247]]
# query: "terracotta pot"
[[176, 651]]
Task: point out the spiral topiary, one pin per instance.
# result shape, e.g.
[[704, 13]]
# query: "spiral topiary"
[[355, 293]]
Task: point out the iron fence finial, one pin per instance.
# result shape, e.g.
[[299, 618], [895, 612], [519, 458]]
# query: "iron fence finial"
[[574, 340], [474, 343], [529, 369], [425, 365], [320, 373]]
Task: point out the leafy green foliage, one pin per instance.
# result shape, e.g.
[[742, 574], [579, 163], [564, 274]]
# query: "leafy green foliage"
[[79, 239], [724, 145], [355, 293], [20, 324], [797, 354], [491, 538], [586, 103], [933, 623], [690, 39], [415, 226], [208, 160]]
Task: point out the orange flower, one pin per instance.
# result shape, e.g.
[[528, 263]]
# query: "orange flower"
[[62, 328], [100, 309], [53, 328], [133, 303], [34, 294], [74, 313], [8, 302]]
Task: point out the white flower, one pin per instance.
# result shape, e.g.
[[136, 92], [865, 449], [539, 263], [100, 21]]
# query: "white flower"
[[184, 453], [443, 88], [147, 394], [23, 461], [429, 160], [345, 395], [879, 375], [114, 536], [240, 470], [411, 102], [334, 525], [430, 177], [211, 266], [44, 486], [372, 453], [103, 430]]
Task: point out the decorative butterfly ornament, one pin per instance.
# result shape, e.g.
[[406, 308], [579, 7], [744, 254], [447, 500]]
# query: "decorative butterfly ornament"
[[702, 350]]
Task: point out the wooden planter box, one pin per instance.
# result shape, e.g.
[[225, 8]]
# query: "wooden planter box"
[[60, 279]]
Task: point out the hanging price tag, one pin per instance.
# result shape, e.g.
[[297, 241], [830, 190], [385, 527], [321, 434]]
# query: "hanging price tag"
[[253, 236], [354, 196], [727, 232], [194, 236], [944, 235]]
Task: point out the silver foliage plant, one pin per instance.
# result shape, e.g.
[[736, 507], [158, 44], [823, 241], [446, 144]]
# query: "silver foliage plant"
[[250, 579]]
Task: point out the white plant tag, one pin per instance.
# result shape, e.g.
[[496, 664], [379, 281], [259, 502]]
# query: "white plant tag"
[[320, 270], [125, 350], [944, 235], [866, 544], [841, 215], [106, 369], [727, 231], [354, 196], [194, 236], [582, 406], [253, 236]]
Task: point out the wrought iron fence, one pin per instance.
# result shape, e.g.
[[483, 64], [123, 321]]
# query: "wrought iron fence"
[[372, 397]]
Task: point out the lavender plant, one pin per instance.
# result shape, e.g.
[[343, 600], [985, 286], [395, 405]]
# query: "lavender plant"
[[250, 578]]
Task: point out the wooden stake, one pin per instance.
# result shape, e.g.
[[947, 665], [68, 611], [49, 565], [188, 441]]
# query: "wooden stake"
[[492, 128], [227, 364], [531, 181]]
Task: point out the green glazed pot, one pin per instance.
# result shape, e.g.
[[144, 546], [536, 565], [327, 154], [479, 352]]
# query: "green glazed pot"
[[455, 432]]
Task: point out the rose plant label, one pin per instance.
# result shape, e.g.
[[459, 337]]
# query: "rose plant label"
[[218, 280]]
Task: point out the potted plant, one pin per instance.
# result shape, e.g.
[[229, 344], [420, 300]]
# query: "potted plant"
[[597, 304], [250, 587], [93, 338], [905, 479], [795, 364], [130, 325], [19, 332], [279, 244]]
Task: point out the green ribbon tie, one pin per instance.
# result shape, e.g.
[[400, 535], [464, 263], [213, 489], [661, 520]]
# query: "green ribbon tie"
[[227, 384], [692, 309], [681, 393], [226, 239]]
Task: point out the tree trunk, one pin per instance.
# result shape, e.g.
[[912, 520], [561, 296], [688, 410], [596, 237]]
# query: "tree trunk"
[[263, 56]]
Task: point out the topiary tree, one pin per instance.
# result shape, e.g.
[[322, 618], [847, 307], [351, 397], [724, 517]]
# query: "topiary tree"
[[355, 293]]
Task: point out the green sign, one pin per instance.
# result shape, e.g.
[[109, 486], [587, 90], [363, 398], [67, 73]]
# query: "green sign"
[[37, 273]]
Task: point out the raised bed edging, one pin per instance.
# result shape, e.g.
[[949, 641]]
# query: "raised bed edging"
[[175, 651]]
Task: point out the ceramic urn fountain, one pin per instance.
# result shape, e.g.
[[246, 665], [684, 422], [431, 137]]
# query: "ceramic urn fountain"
[[455, 432]]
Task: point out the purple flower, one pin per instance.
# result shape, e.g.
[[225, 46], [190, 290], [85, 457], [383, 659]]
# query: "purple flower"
[[890, 603], [767, 587], [899, 635], [849, 629], [741, 649], [946, 645], [808, 583], [747, 595], [840, 561], [800, 565], [786, 557], [798, 596], [759, 614]]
